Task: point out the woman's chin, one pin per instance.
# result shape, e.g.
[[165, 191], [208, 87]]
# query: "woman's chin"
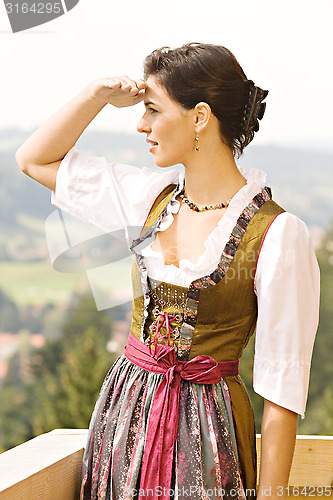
[[163, 164]]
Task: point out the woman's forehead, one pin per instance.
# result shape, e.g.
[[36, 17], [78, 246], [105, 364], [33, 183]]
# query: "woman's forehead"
[[155, 91]]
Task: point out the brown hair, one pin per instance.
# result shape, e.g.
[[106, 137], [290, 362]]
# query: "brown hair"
[[199, 72]]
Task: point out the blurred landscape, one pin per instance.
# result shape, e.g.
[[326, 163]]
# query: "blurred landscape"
[[55, 347]]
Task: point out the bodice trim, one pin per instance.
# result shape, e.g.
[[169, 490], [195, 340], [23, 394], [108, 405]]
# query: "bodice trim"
[[193, 292]]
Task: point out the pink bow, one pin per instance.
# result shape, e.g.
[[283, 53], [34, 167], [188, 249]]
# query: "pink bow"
[[163, 417]]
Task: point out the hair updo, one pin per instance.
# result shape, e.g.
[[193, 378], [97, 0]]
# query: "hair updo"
[[199, 72]]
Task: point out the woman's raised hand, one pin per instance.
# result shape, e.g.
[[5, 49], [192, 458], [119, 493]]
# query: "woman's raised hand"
[[40, 156], [118, 91]]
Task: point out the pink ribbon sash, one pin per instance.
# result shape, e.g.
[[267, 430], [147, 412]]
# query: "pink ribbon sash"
[[162, 425]]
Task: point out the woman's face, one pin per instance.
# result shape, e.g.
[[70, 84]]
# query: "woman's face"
[[168, 125]]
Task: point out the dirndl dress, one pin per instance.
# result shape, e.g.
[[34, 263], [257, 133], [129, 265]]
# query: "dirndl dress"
[[173, 418]]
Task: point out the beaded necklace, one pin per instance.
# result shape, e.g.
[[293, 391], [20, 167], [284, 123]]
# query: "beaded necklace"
[[195, 207]]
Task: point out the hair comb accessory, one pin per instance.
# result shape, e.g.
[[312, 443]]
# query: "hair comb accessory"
[[255, 108]]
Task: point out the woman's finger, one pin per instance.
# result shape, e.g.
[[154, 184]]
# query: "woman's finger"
[[141, 84], [129, 84], [116, 83], [139, 97]]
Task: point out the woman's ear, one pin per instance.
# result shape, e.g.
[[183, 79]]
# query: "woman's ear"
[[202, 115]]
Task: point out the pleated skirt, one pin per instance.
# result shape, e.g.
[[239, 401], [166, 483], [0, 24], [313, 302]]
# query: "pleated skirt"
[[205, 461]]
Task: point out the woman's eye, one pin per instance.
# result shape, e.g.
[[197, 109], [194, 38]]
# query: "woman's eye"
[[152, 110]]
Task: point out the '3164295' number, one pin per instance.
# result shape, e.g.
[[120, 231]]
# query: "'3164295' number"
[[36, 8]]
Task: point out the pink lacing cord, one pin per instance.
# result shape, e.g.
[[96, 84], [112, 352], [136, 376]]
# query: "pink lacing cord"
[[157, 325]]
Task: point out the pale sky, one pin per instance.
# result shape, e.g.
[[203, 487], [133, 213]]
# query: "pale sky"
[[283, 46]]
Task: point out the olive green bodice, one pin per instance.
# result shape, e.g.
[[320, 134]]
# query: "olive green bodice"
[[221, 312], [227, 311]]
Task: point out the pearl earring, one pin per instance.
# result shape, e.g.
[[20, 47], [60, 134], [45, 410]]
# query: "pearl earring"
[[197, 143]]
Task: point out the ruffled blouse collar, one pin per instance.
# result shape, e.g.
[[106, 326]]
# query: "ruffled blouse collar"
[[217, 239]]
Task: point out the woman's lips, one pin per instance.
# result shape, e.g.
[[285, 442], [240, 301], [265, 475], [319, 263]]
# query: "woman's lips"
[[152, 144]]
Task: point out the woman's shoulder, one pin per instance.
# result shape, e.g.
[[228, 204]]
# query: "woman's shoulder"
[[288, 226], [288, 242]]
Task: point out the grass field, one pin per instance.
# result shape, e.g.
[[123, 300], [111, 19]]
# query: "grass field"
[[39, 283]]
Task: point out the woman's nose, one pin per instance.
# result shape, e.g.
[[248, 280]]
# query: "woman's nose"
[[143, 126]]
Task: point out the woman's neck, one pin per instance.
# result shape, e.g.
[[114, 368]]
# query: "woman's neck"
[[212, 176]]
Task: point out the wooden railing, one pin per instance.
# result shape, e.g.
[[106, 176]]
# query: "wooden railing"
[[46, 468], [311, 473], [49, 467]]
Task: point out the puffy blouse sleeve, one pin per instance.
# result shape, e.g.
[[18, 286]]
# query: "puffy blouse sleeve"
[[109, 195], [287, 285]]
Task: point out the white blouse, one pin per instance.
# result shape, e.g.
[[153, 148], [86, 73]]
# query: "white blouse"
[[115, 196]]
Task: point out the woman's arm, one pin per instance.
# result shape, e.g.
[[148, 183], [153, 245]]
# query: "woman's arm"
[[40, 156], [278, 435]]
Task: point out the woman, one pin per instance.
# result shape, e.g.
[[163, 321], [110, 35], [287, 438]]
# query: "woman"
[[216, 256]]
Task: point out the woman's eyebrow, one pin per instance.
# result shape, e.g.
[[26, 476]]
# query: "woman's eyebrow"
[[147, 103]]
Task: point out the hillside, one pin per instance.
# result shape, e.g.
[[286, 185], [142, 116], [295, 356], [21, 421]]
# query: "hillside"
[[301, 181]]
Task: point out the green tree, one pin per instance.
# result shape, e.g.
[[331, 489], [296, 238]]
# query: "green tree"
[[67, 392], [60, 384], [9, 314], [15, 416], [66, 398], [319, 415]]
